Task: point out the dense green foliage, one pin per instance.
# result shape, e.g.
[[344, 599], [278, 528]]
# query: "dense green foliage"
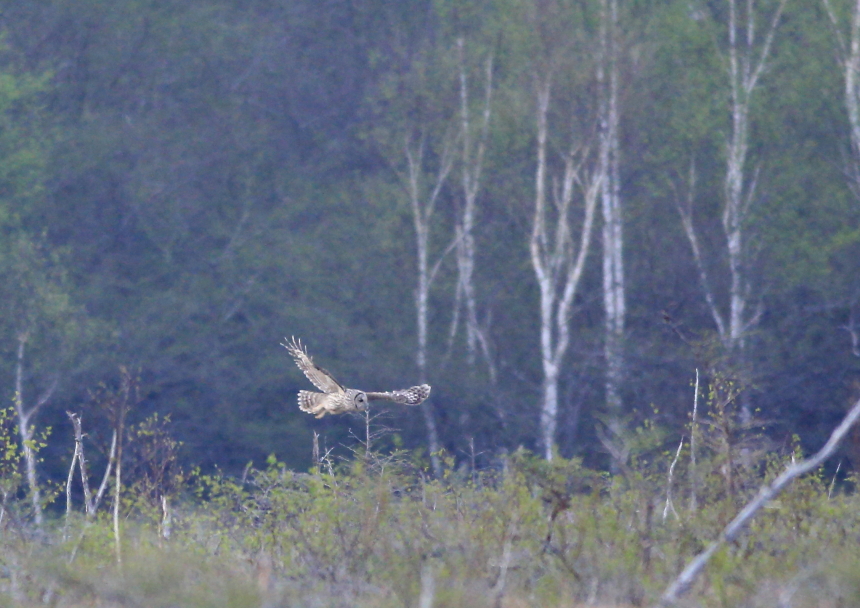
[[183, 184]]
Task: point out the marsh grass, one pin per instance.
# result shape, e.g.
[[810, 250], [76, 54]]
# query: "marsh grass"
[[378, 530]]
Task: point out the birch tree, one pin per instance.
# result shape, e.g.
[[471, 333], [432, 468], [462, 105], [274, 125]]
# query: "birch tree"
[[560, 67], [417, 132], [848, 55], [567, 187], [746, 58], [610, 195], [423, 198], [558, 254], [26, 428], [473, 145], [41, 321]]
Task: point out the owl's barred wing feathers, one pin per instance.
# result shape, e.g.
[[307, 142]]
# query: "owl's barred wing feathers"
[[317, 375], [335, 398], [408, 396]]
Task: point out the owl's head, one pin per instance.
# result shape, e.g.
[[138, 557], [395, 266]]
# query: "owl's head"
[[359, 400]]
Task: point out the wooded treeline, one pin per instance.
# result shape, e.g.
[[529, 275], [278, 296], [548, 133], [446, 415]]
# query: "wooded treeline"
[[554, 211]]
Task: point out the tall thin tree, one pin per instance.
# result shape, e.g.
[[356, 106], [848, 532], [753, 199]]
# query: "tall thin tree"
[[557, 255], [422, 202], [747, 57], [473, 146], [614, 306]]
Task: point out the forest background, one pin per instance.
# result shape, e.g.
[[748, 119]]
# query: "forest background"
[[184, 184]]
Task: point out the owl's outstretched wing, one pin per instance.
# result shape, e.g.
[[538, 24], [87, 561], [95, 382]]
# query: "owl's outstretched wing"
[[407, 396], [317, 375]]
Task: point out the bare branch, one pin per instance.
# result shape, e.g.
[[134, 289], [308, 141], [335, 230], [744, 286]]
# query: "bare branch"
[[432, 275], [694, 430], [69, 492], [685, 210], [45, 397], [103, 486], [841, 48], [765, 49], [684, 580]]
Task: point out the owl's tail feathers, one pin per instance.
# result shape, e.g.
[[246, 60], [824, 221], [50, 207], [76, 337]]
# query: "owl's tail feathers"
[[312, 403]]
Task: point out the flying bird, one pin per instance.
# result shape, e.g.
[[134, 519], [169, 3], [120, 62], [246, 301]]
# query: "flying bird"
[[335, 398]]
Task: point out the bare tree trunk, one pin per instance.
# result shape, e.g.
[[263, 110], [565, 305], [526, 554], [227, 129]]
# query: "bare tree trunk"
[[744, 71], [26, 431], [25, 428], [472, 166], [423, 207], [89, 503], [557, 261], [117, 495], [613, 235], [122, 406], [747, 58], [848, 53]]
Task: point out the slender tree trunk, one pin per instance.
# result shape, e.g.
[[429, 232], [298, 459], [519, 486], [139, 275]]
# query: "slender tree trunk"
[[558, 262], [747, 58], [740, 190], [422, 206], [472, 165], [852, 95], [122, 406], [613, 236], [421, 297], [117, 495], [26, 432], [549, 389], [848, 53]]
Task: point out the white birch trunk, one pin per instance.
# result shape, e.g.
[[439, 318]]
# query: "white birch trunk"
[[848, 53], [472, 162], [733, 211], [613, 236], [26, 432], [744, 71], [422, 206], [747, 58], [557, 261]]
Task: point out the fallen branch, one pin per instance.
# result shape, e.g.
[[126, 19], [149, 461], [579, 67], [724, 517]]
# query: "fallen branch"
[[681, 584]]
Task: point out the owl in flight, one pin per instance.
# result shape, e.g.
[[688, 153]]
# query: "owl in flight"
[[336, 399]]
